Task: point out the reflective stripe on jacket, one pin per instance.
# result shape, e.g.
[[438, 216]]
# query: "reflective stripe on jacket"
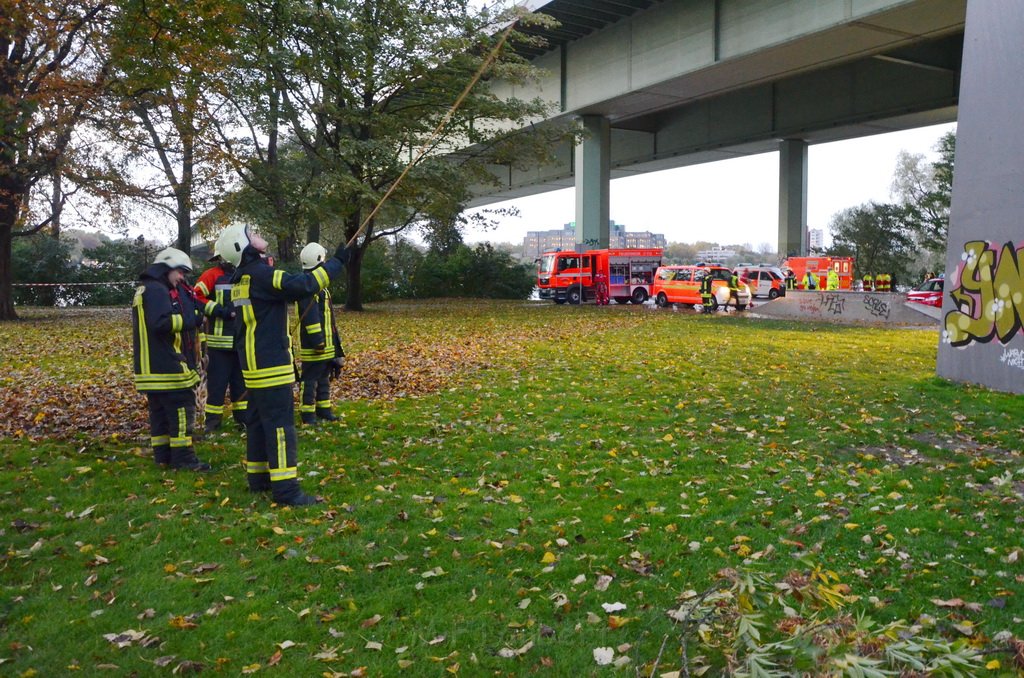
[[214, 290]]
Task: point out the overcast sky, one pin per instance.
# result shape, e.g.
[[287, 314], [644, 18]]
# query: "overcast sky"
[[732, 202]]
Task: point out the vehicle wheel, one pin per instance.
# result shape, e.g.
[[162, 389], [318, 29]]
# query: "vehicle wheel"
[[639, 296], [574, 295], [773, 293], [621, 300], [661, 300], [559, 301]]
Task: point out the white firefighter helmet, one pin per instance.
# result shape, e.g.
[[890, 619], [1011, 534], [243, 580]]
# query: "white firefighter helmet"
[[312, 255], [173, 259], [231, 242]]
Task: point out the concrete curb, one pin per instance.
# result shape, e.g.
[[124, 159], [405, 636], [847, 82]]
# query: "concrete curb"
[[848, 307]]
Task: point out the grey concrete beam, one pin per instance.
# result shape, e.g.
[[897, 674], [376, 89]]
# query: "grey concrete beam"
[[593, 161], [792, 197]]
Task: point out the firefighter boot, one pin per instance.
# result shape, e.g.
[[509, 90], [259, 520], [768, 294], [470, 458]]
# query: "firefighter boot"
[[213, 422], [308, 418], [259, 482], [326, 414], [162, 455], [288, 493], [184, 458]]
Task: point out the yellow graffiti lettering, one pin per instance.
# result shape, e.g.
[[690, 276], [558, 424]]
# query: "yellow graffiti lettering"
[[989, 296]]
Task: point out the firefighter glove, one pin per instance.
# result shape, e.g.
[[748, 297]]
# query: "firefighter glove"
[[343, 254], [335, 367]]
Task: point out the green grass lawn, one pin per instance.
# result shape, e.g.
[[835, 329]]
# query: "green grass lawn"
[[513, 486]]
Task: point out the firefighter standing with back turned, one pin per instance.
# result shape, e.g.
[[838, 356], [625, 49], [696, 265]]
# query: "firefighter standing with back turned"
[[260, 295], [707, 292], [164, 317], [213, 289], [319, 344]]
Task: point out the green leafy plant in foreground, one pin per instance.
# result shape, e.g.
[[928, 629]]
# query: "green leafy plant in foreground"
[[531, 489]]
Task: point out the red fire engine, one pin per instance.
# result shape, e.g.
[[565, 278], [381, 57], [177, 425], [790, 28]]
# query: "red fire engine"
[[574, 277], [819, 266]]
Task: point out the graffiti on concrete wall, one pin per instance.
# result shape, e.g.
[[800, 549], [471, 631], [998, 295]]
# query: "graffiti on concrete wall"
[[832, 303], [877, 306], [988, 292]]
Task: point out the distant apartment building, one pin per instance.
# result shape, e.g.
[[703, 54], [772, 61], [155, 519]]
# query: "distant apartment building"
[[815, 240], [537, 242], [716, 255]]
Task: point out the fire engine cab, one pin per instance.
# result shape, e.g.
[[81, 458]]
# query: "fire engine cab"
[[575, 277]]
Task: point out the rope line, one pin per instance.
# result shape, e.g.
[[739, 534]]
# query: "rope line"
[[437, 130]]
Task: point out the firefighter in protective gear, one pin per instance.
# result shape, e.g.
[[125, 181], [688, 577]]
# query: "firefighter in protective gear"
[[164, 319], [882, 282], [261, 296], [790, 279], [868, 281], [707, 296], [213, 290], [319, 344], [832, 281]]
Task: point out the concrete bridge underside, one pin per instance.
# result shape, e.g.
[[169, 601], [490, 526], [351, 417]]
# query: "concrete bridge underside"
[[739, 93]]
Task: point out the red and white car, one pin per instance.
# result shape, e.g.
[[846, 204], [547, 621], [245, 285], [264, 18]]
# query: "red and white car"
[[928, 293]]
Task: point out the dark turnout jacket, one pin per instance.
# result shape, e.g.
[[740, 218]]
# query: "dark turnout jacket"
[[164, 322], [318, 334], [261, 295]]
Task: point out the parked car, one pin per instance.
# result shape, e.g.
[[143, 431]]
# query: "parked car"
[[764, 281], [681, 285], [928, 293]]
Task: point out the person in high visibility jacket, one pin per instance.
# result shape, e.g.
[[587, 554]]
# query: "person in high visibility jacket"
[[164, 318], [832, 281], [734, 291], [869, 282], [319, 344], [261, 295], [810, 281], [707, 295], [213, 290], [882, 282]]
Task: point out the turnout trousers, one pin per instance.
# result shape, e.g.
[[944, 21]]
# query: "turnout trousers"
[[271, 443], [172, 415], [223, 371], [316, 386]]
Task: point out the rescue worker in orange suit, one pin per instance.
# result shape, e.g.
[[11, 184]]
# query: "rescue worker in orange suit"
[[165, 316], [319, 344], [707, 292], [213, 290], [261, 296]]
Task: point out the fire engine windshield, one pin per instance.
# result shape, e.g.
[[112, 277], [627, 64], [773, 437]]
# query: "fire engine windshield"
[[547, 264]]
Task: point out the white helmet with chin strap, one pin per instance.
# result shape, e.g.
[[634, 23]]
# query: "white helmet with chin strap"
[[231, 242], [312, 255], [174, 258]]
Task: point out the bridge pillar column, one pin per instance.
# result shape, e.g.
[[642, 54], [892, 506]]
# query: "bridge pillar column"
[[982, 341], [593, 174], [792, 197]]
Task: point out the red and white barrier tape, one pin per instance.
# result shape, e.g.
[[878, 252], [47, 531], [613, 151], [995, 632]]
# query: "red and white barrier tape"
[[76, 284]]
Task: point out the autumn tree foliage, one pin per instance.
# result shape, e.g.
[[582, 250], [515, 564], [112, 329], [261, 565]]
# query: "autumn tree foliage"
[[169, 60], [357, 88], [53, 65]]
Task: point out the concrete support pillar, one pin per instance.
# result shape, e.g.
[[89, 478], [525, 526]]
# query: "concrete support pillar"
[[593, 174], [982, 338], [792, 197]]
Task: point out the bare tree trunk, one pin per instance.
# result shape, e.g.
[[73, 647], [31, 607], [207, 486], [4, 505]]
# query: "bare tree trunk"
[[353, 281], [56, 201], [7, 217]]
